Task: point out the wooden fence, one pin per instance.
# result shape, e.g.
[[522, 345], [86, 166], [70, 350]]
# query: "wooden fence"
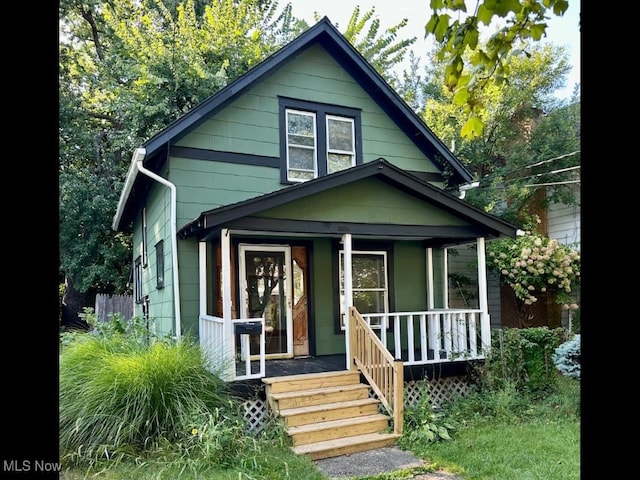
[[109, 304]]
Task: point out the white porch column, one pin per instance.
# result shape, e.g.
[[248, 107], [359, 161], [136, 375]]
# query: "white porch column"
[[429, 278], [225, 246], [445, 277], [202, 277], [485, 321], [348, 293]]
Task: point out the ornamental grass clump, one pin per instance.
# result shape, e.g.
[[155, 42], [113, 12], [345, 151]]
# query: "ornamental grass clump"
[[533, 264], [121, 398]]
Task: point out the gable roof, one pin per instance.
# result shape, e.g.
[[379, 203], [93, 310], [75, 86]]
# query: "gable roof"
[[209, 222], [326, 35]]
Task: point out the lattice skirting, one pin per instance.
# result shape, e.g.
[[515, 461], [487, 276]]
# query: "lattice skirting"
[[440, 390]]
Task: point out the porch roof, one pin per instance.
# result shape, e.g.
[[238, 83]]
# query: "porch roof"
[[241, 215]]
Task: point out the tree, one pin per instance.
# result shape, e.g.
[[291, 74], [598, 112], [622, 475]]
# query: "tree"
[[127, 69], [529, 148], [470, 65], [383, 50]]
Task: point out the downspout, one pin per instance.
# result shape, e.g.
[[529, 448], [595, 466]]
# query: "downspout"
[[139, 155]]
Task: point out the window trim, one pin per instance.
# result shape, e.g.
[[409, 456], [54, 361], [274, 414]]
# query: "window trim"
[[351, 152], [362, 247], [159, 264], [321, 111], [145, 253], [137, 279]]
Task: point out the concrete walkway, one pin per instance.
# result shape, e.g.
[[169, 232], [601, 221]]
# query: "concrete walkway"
[[375, 462]]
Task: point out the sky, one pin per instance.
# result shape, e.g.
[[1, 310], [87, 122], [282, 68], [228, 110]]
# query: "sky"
[[563, 30]]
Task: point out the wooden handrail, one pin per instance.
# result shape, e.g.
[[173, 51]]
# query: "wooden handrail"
[[384, 373]]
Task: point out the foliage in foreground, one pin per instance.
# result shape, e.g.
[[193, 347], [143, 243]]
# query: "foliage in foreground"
[[120, 398]]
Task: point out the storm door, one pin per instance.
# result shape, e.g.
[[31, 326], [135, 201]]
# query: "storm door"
[[265, 292]]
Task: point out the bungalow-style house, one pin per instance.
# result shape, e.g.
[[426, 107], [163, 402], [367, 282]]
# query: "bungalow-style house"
[[297, 223]]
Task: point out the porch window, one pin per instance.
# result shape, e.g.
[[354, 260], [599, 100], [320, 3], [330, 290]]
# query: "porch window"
[[317, 139], [370, 283]]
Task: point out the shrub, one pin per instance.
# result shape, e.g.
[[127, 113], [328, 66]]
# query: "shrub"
[[567, 357], [521, 357]]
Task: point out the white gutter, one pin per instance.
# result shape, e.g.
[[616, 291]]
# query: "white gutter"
[[136, 165], [467, 186]]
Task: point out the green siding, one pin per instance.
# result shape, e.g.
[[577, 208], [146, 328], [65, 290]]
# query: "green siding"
[[367, 201], [161, 311], [409, 272], [205, 185], [189, 287], [249, 125], [327, 341]]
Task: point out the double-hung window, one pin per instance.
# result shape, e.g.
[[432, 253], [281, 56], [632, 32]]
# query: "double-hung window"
[[318, 139], [370, 283]]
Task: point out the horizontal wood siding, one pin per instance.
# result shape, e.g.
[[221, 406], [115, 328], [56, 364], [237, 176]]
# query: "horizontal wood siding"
[[409, 274], [368, 200], [327, 340], [205, 185], [161, 311], [249, 125], [564, 222]]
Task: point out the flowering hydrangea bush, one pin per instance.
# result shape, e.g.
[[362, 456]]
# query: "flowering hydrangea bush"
[[533, 264]]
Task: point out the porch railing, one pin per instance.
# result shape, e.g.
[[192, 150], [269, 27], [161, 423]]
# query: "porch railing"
[[384, 373], [234, 358], [434, 336]]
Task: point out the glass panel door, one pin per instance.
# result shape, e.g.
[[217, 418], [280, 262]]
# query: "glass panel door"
[[265, 294]]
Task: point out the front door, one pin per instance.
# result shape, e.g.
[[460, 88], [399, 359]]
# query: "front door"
[[300, 312], [265, 292]]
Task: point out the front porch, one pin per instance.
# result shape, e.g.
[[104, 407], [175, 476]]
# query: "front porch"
[[386, 353], [417, 339]]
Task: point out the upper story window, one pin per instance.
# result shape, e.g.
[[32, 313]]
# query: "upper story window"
[[318, 139]]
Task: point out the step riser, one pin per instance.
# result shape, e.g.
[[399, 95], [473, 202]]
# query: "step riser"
[[359, 447], [311, 383], [335, 414], [356, 427], [340, 432], [320, 399]]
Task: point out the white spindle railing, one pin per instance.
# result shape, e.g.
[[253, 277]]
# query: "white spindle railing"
[[433, 336], [237, 364]]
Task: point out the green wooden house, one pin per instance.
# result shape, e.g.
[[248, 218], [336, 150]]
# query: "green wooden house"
[[304, 213]]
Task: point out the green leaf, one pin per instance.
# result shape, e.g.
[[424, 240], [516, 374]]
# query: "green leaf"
[[537, 30], [461, 96], [485, 14], [472, 128]]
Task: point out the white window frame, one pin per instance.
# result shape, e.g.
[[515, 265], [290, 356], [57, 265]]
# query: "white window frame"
[[352, 151], [304, 147], [385, 289]]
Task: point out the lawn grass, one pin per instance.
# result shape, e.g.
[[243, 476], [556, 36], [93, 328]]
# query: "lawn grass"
[[549, 451]]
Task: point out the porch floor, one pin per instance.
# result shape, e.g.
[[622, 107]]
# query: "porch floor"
[[299, 365]]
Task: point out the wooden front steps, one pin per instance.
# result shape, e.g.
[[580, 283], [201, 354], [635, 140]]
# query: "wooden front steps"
[[328, 414]]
